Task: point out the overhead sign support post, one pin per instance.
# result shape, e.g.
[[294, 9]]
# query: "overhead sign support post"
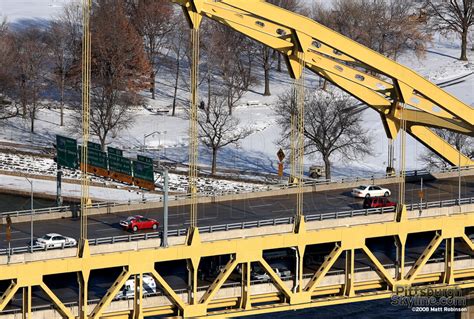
[[66, 151], [281, 157]]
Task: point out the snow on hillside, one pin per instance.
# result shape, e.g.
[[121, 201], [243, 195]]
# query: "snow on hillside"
[[17, 10], [258, 151]]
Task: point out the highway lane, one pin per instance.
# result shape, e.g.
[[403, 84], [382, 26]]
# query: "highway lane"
[[236, 211]]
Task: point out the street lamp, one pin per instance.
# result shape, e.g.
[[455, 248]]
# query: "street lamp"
[[32, 212], [145, 136]]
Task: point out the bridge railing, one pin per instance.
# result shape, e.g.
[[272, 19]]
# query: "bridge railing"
[[248, 225]]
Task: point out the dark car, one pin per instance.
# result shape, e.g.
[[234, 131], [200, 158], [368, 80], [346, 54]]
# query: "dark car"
[[378, 202], [136, 223]]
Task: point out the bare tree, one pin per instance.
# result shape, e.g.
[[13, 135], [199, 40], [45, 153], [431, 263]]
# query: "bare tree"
[[461, 142], [153, 20], [266, 62], [29, 49], [219, 128], [388, 27], [119, 70], [331, 127], [177, 43], [224, 56], [453, 16], [64, 42]]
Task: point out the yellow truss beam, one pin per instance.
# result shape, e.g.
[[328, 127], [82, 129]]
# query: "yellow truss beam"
[[8, 294], [368, 76], [424, 257], [65, 312], [275, 278], [379, 268], [110, 295], [219, 281], [324, 268], [168, 290]]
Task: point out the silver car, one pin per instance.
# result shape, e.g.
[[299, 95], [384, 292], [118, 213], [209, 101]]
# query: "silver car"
[[53, 240]]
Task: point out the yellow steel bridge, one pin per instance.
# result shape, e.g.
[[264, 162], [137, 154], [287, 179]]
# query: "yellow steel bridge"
[[404, 100]]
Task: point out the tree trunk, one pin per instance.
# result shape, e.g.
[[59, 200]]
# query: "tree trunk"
[[208, 93], [229, 101], [153, 84], [464, 45], [214, 161], [176, 85], [279, 63], [267, 81], [32, 118], [102, 141], [62, 102], [327, 166]]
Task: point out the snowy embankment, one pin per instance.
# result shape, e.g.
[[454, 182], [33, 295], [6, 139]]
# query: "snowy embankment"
[[258, 151], [113, 191]]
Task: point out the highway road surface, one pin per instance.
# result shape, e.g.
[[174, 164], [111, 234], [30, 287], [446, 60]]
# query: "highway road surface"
[[107, 225]]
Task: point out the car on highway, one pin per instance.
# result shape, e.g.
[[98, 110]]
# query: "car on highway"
[[128, 289], [53, 240], [259, 273], [378, 202], [138, 222], [370, 191]]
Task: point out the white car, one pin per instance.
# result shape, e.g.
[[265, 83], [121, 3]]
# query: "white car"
[[53, 240], [128, 290], [370, 191]]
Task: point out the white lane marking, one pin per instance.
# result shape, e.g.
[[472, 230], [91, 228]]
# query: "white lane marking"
[[99, 223], [263, 205], [12, 232], [25, 238], [283, 210], [105, 229], [205, 218]]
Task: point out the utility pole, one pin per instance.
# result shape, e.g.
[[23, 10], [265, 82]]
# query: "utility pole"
[[59, 197], [31, 213], [459, 177], [165, 208]]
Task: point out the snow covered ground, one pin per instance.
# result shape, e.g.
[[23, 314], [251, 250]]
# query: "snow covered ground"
[[74, 190], [258, 151]]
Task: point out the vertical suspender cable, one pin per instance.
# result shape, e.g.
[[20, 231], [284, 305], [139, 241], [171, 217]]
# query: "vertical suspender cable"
[[86, 77], [300, 99], [193, 127], [403, 134]]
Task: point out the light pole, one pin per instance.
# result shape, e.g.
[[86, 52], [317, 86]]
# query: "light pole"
[[145, 136], [459, 177], [32, 212]]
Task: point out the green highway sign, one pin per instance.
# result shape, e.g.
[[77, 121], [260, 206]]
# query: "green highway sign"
[[120, 164], [144, 159], [95, 157], [66, 152], [114, 151], [143, 171], [94, 146]]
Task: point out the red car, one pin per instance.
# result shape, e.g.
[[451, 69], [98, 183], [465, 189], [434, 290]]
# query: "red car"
[[378, 202], [135, 223]]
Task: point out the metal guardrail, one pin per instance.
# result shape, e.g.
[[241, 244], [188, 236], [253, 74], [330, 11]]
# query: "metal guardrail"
[[307, 183], [251, 224]]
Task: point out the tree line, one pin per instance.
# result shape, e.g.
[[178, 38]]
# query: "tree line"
[[134, 42]]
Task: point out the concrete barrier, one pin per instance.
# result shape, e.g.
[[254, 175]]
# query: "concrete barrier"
[[441, 211]]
